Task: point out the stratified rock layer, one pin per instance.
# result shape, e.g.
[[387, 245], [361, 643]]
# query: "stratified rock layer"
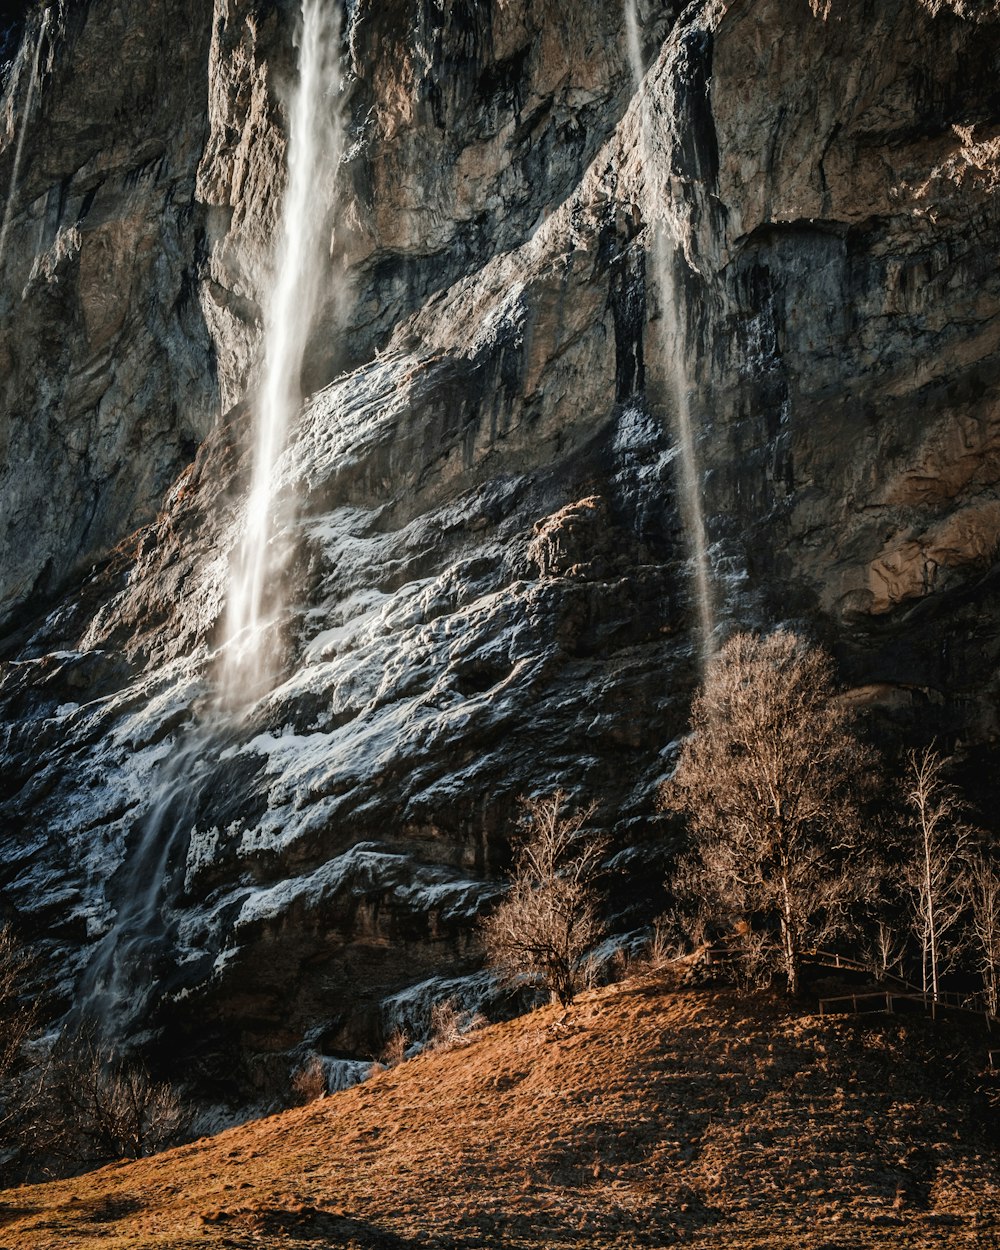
[[490, 592]]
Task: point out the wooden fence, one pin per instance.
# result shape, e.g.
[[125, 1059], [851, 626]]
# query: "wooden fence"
[[899, 991]]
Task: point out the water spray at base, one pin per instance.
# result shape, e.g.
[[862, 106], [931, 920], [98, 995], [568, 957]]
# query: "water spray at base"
[[118, 978], [663, 251]]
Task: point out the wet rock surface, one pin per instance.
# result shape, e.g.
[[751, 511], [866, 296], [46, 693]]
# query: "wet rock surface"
[[489, 592]]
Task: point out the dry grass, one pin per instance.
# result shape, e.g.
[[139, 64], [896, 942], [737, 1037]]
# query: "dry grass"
[[637, 1118]]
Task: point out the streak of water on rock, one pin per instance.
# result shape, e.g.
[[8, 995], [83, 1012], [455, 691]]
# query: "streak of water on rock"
[[315, 145], [8, 211], [663, 250]]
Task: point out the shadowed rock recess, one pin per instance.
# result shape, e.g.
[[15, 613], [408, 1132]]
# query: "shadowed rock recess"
[[490, 592]]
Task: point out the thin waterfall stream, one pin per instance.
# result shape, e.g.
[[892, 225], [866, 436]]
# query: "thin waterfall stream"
[[122, 972], [15, 177], [118, 979], [663, 252]]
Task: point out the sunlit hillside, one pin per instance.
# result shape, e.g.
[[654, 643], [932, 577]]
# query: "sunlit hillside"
[[639, 1117]]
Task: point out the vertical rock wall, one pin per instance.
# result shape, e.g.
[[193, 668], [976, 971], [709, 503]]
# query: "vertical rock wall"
[[106, 367]]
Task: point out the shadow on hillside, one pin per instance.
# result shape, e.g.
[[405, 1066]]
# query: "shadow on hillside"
[[111, 1209], [334, 1232], [8, 1214]]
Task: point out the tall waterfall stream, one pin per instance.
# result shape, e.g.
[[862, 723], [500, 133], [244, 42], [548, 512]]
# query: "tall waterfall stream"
[[315, 145], [15, 176], [121, 972]]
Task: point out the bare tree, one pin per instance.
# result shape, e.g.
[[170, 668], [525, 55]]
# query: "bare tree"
[[934, 872], [886, 951], [771, 780], [983, 882], [548, 921]]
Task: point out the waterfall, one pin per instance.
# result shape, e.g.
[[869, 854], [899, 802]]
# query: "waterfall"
[[8, 210], [663, 254], [315, 146], [122, 974]]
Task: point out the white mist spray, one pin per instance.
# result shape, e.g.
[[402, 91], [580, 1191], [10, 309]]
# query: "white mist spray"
[[15, 176], [673, 346], [315, 146]]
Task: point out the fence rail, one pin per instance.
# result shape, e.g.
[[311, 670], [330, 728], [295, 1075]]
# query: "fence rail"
[[902, 990], [886, 1000]]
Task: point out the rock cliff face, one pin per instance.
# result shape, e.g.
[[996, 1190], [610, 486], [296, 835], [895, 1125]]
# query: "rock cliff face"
[[490, 590], [106, 365]]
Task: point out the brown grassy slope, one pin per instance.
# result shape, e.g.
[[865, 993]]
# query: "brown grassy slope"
[[642, 1118]]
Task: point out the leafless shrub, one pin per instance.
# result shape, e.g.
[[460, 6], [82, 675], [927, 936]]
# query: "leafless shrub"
[[618, 966], [664, 943], [18, 1010], [983, 884], [19, 1021], [94, 1106], [771, 781], [594, 971], [450, 1025], [445, 1024], [548, 922], [394, 1050], [309, 1080]]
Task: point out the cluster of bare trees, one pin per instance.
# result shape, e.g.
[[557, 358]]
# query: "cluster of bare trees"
[[92, 1105], [950, 879], [799, 840], [70, 1101]]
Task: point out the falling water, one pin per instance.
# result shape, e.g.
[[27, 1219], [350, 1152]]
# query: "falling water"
[[663, 254], [8, 211], [315, 145], [122, 971]]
